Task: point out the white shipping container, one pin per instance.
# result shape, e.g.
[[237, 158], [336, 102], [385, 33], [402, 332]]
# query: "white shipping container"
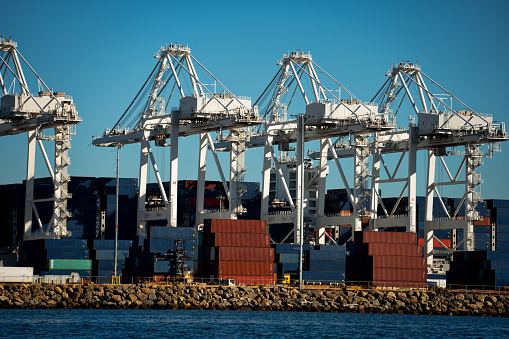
[[17, 274]]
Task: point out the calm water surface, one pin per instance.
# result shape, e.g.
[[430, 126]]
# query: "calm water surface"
[[103, 324]]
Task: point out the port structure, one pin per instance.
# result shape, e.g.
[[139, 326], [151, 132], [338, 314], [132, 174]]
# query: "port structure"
[[21, 111], [439, 130], [200, 112], [325, 116]]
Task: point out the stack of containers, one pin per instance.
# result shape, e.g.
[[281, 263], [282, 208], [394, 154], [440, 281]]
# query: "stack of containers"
[[386, 259], [500, 209], [133, 263], [479, 269], [162, 239], [56, 257], [325, 264], [287, 259], [104, 258], [499, 262], [236, 249]]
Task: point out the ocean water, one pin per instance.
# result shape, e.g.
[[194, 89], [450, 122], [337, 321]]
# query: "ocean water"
[[101, 324]]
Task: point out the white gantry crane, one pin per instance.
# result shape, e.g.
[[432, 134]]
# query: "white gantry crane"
[[200, 111], [21, 111], [443, 123], [323, 115]]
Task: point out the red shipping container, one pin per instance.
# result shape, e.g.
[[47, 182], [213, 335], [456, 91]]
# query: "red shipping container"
[[245, 254], [236, 240], [436, 244], [399, 284], [485, 221], [235, 226], [245, 268], [249, 280], [386, 261], [386, 237], [394, 249], [396, 274]]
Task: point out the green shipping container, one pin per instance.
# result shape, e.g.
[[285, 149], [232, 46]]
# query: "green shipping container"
[[70, 264]]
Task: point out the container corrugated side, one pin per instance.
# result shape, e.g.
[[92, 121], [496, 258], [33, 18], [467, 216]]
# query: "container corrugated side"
[[385, 237], [245, 254], [394, 249], [70, 264], [235, 226], [16, 274], [110, 254], [249, 280], [236, 240]]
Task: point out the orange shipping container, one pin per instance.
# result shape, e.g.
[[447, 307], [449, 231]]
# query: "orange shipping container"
[[236, 240], [247, 268], [235, 226], [394, 249]]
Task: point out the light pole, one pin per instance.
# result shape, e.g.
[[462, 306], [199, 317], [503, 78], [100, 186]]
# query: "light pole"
[[116, 213]]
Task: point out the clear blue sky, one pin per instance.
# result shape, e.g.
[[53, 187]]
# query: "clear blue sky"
[[100, 52]]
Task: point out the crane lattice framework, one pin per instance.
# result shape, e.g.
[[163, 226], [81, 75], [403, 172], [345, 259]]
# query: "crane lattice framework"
[[199, 112], [438, 127], [326, 116], [20, 112]]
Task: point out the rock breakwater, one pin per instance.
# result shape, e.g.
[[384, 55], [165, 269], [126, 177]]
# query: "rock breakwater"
[[251, 298]]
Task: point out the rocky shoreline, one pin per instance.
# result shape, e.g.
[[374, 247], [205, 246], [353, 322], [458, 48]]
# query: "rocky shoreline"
[[436, 302]]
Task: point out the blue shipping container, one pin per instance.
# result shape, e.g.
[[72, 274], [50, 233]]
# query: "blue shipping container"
[[110, 255], [498, 255], [172, 232], [110, 244], [327, 265], [57, 253], [66, 243], [326, 255], [323, 276], [289, 258]]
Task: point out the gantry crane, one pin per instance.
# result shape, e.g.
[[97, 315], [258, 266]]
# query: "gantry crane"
[[443, 122], [24, 112], [200, 112], [325, 116]]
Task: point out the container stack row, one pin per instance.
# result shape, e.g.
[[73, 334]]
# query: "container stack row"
[[325, 264], [391, 259], [57, 257], [235, 249], [287, 258], [164, 241], [103, 253], [479, 269]]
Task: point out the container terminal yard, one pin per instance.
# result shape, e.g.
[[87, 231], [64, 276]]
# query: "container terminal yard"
[[289, 228]]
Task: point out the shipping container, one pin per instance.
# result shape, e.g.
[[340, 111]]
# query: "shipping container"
[[289, 258], [248, 280], [57, 253], [172, 232], [70, 264], [236, 240], [326, 265], [110, 254], [323, 276], [235, 225], [238, 253], [394, 249], [16, 274], [326, 255], [291, 248], [110, 244], [66, 243], [386, 237]]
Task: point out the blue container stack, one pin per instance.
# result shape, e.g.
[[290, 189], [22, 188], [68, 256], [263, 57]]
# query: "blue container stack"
[[163, 239], [479, 268], [287, 259], [321, 263], [500, 216], [104, 258], [499, 263], [325, 264], [39, 253]]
